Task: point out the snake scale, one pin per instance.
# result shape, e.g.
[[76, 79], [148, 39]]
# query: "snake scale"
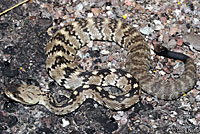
[[61, 51]]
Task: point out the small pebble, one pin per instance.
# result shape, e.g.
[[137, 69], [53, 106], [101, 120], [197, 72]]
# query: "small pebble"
[[162, 72], [149, 99], [198, 84], [159, 27], [185, 105], [85, 3], [95, 11], [180, 121], [197, 98], [196, 21], [171, 43], [127, 2], [188, 25], [193, 121], [197, 116], [90, 15], [104, 52], [173, 113], [104, 58], [177, 12], [149, 7], [121, 113], [108, 7], [144, 128], [157, 22], [96, 105], [79, 7], [65, 122], [179, 42], [117, 117], [165, 38], [173, 30], [109, 13], [187, 10], [123, 121], [163, 19], [146, 30]]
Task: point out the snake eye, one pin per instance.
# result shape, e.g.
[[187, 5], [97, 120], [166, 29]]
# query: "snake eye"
[[15, 96]]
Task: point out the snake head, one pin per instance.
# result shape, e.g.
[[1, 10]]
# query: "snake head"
[[25, 94]]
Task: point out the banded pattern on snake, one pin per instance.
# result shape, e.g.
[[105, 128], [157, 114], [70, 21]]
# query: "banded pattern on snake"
[[61, 51]]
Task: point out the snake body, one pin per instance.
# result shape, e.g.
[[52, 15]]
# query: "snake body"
[[61, 51]]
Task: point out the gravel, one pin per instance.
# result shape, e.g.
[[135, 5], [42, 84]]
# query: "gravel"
[[23, 37]]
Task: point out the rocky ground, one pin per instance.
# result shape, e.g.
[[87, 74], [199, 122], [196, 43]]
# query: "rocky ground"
[[23, 37]]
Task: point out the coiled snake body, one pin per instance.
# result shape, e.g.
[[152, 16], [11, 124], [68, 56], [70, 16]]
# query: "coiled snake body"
[[61, 51]]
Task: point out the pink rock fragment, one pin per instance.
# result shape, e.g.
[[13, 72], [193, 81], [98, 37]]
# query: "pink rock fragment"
[[127, 2]]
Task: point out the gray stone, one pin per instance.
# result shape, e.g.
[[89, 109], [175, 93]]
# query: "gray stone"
[[171, 43], [193, 40], [146, 30]]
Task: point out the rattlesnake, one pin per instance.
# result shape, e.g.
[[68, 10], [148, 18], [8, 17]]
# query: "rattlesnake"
[[61, 51]]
